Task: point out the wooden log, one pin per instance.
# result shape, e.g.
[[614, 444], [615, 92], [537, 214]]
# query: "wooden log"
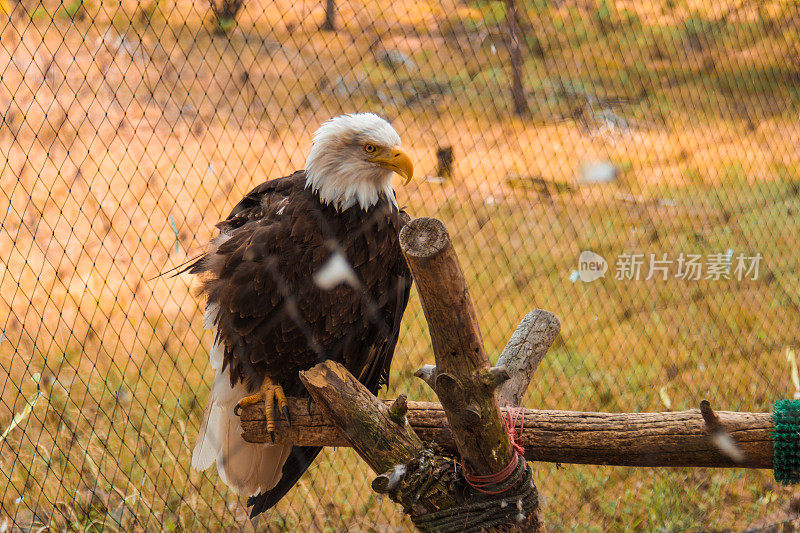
[[623, 439], [364, 421], [472, 410], [444, 162], [520, 359], [378, 432], [523, 353]]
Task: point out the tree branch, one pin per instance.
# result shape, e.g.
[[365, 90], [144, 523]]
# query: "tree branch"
[[471, 407], [523, 353], [378, 432], [623, 439]]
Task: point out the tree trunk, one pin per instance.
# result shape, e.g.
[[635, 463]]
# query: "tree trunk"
[[517, 62], [330, 16]]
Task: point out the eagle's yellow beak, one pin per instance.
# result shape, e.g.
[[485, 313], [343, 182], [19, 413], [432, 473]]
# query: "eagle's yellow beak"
[[398, 161]]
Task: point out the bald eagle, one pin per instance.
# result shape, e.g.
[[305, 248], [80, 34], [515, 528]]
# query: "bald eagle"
[[305, 268]]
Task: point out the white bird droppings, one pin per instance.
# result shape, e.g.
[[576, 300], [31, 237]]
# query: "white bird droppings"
[[727, 446], [335, 271]]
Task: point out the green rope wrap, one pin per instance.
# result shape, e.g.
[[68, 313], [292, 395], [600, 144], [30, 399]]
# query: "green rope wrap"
[[786, 441]]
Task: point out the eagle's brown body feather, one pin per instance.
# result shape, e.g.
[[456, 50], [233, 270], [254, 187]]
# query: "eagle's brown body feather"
[[273, 318]]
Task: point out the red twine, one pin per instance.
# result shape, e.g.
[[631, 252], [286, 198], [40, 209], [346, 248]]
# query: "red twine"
[[511, 427], [483, 483]]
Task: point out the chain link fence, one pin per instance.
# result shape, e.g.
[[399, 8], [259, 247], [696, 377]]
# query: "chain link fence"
[[631, 167]]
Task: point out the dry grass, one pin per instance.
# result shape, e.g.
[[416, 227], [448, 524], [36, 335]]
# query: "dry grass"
[[119, 119]]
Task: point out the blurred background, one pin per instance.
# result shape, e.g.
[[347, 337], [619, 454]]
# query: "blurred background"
[[659, 134]]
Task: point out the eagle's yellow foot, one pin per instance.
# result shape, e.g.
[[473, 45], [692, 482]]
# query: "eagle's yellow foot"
[[271, 393]]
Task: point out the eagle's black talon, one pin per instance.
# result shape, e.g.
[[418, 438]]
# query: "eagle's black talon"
[[286, 415], [272, 436], [237, 409]]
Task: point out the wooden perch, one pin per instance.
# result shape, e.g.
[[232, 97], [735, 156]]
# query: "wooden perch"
[[395, 438], [622, 439], [471, 407], [379, 432], [523, 353], [378, 436]]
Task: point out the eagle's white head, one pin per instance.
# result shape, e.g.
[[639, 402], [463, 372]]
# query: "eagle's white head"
[[352, 160]]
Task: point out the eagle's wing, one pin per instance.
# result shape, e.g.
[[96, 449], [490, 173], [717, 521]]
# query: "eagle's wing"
[[258, 276], [375, 367], [374, 374], [238, 299], [259, 273]]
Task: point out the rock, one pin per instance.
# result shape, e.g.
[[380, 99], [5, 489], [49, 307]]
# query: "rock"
[[395, 59], [594, 172], [545, 188]]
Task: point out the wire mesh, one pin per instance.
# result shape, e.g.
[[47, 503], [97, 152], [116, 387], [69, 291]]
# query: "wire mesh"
[[660, 134]]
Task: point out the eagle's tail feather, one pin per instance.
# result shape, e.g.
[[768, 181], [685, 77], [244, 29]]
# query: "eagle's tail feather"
[[246, 468], [298, 462]]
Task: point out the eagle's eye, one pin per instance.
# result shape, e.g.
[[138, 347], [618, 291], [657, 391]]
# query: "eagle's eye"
[[370, 148]]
